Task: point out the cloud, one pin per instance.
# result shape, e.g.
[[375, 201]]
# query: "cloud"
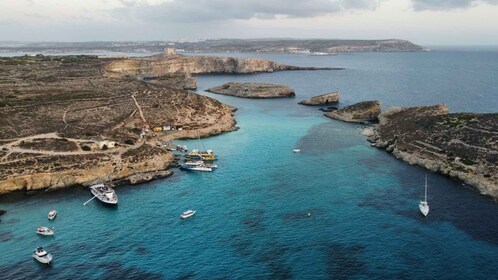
[[223, 10], [441, 5]]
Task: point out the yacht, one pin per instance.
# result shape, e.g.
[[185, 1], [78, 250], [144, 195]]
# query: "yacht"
[[104, 193], [187, 214], [196, 166], [200, 163], [42, 256], [45, 230], [296, 150], [52, 214]]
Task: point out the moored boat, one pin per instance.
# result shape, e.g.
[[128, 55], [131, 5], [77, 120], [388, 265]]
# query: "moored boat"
[[200, 163], [45, 230], [201, 155], [187, 214], [52, 214], [42, 256], [424, 205], [201, 167], [104, 193]]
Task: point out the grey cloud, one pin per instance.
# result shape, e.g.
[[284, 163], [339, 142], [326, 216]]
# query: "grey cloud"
[[422, 5], [222, 10]]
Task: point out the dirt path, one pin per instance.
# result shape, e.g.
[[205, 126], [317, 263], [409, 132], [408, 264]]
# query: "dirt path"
[[140, 111], [10, 147]]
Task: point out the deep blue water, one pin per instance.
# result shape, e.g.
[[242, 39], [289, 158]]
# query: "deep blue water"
[[252, 221]]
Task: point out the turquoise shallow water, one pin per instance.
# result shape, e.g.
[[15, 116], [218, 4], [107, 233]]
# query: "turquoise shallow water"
[[252, 218]]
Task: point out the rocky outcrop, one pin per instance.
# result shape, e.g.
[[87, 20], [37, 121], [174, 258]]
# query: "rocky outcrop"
[[324, 99], [460, 145], [160, 65], [58, 108], [253, 90], [362, 112]]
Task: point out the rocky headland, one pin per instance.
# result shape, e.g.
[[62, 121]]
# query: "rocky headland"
[[162, 64], [324, 99], [460, 145], [253, 90], [362, 112], [67, 121]]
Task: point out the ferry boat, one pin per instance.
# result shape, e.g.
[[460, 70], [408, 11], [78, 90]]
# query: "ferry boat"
[[201, 155], [187, 214], [42, 256], [200, 163], [52, 214], [45, 230], [105, 194], [196, 166]]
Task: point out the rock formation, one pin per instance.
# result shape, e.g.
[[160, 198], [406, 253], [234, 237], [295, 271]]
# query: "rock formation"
[[253, 90], [160, 65], [362, 112], [460, 145], [56, 113], [324, 99]]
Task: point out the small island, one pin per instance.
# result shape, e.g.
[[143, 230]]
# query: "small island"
[[253, 90], [362, 112], [324, 99]]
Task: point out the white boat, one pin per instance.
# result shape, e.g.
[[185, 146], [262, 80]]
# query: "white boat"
[[45, 230], [104, 193], [196, 166], [52, 214], [296, 151], [200, 163], [42, 256], [187, 214], [424, 205]]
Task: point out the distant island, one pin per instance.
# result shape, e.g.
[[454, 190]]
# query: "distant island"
[[296, 46]]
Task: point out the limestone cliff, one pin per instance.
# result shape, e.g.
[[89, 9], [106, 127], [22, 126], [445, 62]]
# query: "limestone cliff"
[[362, 112], [160, 65], [324, 99], [253, 90], [460, 145]]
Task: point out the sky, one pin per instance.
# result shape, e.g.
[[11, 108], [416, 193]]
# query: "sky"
[[425, 22]]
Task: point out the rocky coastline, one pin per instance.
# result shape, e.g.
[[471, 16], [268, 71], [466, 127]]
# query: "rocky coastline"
[[459, 145], [324, 99], [363, 112], [253, 90], [74, 120]]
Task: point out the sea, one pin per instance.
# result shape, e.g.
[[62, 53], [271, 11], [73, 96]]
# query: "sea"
[[339, 209]]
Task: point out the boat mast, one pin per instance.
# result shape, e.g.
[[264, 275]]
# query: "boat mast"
[[425, 188]]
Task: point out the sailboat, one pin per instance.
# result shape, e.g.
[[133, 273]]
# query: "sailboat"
[[424, 205], [197, 155]]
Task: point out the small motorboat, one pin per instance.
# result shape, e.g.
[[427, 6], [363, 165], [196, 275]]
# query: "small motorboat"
[[45, 230], [296, 150], [187, 214], [52, 214], [42, 256]]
